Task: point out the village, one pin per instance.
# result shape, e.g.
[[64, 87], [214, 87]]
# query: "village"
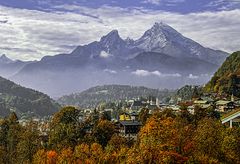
[[127, 116]]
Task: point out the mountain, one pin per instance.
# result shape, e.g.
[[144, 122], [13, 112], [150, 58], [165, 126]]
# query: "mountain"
[[166, 63], [166, 57], [111, 48], [164, 39], [227, 78], [5, 60], [9, 67], [24, 100], [110, 93]]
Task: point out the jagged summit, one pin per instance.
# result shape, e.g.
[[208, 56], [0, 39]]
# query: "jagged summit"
[[163, 27], [160, 29], [112, 36], [112, 43], [157, 37], [5, 59]]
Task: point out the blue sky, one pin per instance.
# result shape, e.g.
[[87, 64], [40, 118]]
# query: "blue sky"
[[181, 6], [31, 29]]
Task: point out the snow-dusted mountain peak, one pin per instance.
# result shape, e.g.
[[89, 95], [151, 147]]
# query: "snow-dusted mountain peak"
[[156, 37]]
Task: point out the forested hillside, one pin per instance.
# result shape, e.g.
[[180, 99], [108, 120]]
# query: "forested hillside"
[[22, 100], [188, 92], [110, 93], [227, 78]]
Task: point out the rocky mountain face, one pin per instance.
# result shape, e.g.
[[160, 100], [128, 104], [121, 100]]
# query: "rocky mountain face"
[[159, 55], [164, 39]]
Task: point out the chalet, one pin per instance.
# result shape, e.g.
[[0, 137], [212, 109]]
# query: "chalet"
[[223, 105], [129, 128], [200, 102], [134, 116], [232, 118], [203, 103]]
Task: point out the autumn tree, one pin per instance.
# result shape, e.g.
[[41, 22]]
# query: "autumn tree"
[[117, 142], [40, 157], [52, 157], [82, 153], [117, 148], [85, 153], [184, 114], [28, 144], [143, 115], [10, 132], [208, 139], [66, 156], [231, 145], [103, 131], [66, 128], [162, 141]]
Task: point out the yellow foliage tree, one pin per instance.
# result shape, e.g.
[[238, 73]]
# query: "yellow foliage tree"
[[160, 142], [40, 157], [66, 156]]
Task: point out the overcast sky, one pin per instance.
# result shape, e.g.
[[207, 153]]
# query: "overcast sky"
[[31, 29]]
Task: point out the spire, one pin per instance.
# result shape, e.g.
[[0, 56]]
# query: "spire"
[[232, 98], [157, 102]]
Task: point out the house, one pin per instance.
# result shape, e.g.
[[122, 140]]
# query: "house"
[[191, 109], [125, 117], [200, 102], [134, 116], [223, 105], [208, 99], [153, 104], [152, 107], [203, 103], [237, 103], [129, 128], [108, 113], [232, 118], [137, 104]]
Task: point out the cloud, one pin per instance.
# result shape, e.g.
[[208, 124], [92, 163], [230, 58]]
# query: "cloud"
[[104, 54], [110, 71], [31, 34], [155, 2], [144, 73], [224, 4], [166, 2], [3, 21], [191, 76]]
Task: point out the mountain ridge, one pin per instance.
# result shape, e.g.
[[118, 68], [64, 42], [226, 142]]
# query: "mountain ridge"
[[9, 67], [112, 53], [110, 93]]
